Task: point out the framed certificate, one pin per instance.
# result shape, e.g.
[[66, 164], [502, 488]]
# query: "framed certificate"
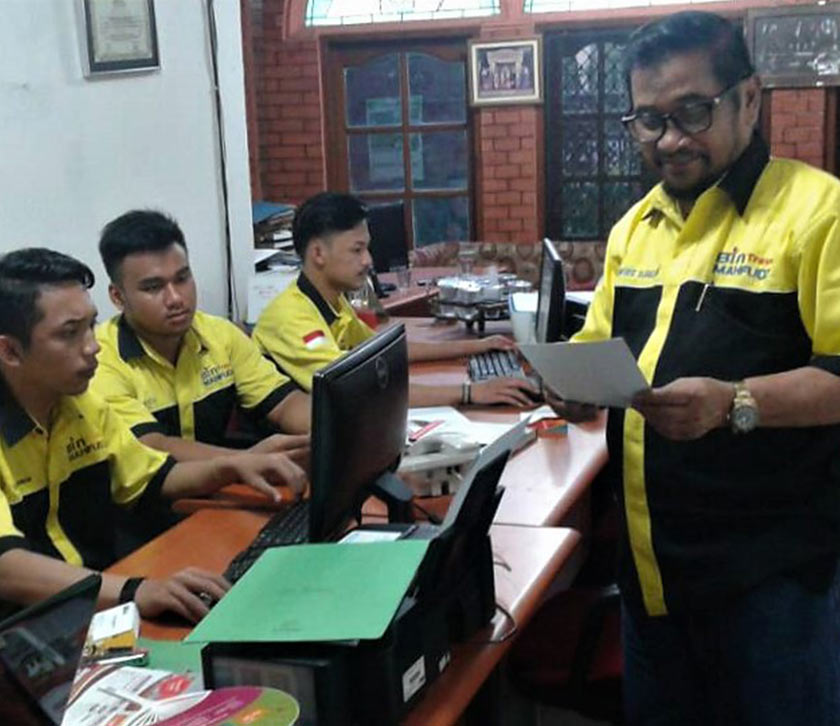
[[120, 35]]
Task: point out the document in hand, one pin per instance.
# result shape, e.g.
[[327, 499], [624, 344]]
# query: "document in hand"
[[604, 373]]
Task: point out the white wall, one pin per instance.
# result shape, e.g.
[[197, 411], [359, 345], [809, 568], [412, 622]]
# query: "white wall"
[[76, 152]]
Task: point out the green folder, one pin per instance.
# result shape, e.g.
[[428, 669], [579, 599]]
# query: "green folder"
[[315, 592], [172, 655]]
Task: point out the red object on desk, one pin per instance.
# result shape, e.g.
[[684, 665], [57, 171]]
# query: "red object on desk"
[[368, 316]]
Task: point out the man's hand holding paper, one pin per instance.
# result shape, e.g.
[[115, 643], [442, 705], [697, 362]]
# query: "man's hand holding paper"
[[599, 374]]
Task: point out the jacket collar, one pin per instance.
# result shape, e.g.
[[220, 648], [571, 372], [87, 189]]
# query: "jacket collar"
[[130, 347], [307, 288], [15, 423]]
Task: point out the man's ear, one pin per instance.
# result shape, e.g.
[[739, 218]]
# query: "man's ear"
[[11, 351], [752, 99], [116, 296], [317, 252]]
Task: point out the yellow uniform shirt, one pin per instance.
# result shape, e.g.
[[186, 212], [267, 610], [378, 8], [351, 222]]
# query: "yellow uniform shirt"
[[58, 487], [302, 332], [747, 285], [218, 367]]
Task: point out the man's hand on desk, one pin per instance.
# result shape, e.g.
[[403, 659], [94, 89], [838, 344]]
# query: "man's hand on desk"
[[572, 411], [510, 391], [187, 593], [262, 472], [295, 446]]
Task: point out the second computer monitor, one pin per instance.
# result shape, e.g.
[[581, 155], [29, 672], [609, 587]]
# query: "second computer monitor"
[[388, 246], [359, 416], [552, 296]]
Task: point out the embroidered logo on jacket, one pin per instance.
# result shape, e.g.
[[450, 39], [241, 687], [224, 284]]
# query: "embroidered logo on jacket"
[[314, 339]]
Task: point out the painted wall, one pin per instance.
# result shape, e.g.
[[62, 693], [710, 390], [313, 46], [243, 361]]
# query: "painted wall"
[[76, 152]]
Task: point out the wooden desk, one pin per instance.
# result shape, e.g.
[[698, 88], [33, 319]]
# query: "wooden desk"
[[527, 559]]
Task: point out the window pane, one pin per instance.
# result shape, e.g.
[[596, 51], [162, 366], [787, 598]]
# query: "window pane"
[[616, 99], [580, 210], [620, 155], [580, 148], [347, 12], [372, 93], [580, 81], [618, 198], [439, 160], [437, 90], [559, 6], [440, 220], [376, 162]]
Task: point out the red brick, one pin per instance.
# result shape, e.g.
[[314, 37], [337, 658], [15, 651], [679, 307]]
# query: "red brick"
[[521, 212], [508, 171], [529, 198], [510, 198], [528, 142], [301, 138], [315, 152], [307, 111], [798, 133], [495, 185], [297, 84], [812, 149], [496, 213], [494, 132], [507, 144], [524, 185], [512, 225], [521, 157], [286, 152], [286, 124], [507, 117], [784, 150], [302, 165]]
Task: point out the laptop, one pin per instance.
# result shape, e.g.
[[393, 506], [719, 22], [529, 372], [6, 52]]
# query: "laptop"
[[40, 650]]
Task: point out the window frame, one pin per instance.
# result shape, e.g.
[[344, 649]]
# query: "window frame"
[[340, 55]]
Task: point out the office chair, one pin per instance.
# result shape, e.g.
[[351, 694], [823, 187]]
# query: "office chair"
[[569, 655], [388, 246]]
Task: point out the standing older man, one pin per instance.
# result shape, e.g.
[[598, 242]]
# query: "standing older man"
[[725, 282]]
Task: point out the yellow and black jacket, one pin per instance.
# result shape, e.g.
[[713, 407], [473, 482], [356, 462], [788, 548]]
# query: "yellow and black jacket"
[[747, 285], [301, 332], [58, 488], [218, 366]]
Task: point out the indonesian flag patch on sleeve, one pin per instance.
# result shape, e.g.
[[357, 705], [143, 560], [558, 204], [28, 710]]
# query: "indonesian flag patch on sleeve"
[[315, 339]]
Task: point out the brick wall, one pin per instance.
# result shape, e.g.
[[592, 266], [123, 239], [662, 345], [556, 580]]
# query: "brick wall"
[[286, 130], [798, 124], [289, 128], [507, 174]]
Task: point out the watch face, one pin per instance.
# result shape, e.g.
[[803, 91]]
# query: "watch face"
[[744, 418]]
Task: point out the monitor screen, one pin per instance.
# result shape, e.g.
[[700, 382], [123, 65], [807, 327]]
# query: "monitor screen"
[[388, 247], [40, 650], [552, 295], [359, 416]]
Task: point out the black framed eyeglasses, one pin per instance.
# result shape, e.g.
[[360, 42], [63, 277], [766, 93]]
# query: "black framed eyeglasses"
[[647, 127]]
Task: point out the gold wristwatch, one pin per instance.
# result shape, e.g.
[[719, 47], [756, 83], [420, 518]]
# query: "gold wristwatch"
[[743, 414]]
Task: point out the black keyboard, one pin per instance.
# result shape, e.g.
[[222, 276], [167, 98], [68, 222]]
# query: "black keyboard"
[[495, 364], [291, 526]]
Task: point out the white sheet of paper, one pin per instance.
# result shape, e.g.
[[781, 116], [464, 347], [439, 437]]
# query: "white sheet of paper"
[[603, 373]]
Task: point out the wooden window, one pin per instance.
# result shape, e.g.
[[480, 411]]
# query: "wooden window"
[[398, 130]]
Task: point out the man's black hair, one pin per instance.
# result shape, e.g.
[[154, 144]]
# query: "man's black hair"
[[141, 230], [23, 275], [689, 32], [323, 214]]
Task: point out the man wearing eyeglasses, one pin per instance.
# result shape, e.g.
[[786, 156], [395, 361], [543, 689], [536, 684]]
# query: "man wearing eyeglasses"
[[725, 282]]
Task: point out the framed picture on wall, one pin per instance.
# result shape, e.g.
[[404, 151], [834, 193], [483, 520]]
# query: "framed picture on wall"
[[119, 35], [506, 72]]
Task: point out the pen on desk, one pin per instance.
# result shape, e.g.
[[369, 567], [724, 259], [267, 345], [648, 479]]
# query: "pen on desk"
[[426, 426], [702, 296]]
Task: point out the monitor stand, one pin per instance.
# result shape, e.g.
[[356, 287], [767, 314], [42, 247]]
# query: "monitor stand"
[[394, 492]]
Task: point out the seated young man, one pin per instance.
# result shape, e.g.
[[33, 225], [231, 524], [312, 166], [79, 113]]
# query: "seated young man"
[[68, 462], [311, 323], [176, 374]]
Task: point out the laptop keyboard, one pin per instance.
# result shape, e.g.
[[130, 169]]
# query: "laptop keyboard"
[[495, 364], [289, 527]]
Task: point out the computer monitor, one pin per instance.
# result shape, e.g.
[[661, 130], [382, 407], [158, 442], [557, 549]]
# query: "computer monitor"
[[359, 418], [388, 246], [40, 650], [552, 296]]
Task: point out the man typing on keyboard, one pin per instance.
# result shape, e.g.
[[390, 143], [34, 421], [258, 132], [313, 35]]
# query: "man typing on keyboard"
[[68, 462], [311, 323]]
